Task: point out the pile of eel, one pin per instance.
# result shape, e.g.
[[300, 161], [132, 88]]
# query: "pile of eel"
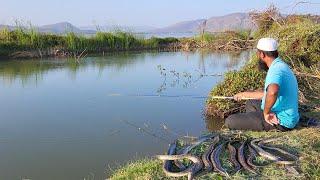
[[241, 154]]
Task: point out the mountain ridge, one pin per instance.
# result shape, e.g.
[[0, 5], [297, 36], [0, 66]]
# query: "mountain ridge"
[[233, 21]]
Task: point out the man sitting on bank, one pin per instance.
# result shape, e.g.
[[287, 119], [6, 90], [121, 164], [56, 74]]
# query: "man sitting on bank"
[[279, 106]]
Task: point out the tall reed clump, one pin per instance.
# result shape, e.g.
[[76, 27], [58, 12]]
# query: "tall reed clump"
[[25, 39]]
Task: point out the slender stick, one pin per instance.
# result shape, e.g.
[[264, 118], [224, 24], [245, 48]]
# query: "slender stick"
[[228, 97]]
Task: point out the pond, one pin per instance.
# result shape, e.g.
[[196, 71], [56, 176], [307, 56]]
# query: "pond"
[[69, 119]]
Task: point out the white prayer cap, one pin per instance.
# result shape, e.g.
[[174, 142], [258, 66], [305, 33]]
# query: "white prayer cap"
[[267, 44]]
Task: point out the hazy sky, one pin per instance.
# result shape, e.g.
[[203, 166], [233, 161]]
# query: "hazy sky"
[[155, 13]]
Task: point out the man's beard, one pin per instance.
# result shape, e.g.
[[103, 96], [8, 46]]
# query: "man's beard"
[[262, 66]]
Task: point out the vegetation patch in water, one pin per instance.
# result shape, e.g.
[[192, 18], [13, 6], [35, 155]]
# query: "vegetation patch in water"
[[39, 44]]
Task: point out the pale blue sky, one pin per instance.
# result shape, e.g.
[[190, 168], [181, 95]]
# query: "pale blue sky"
[[134, 12]]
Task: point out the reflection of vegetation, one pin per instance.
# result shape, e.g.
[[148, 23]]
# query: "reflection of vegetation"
[[173, 78], [213, 123], [35, 69]]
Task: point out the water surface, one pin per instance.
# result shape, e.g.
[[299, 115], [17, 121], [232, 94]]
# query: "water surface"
[[63, 119]]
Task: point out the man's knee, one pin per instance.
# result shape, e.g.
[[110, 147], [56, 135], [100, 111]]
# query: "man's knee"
[[229, 121], [253, 105]]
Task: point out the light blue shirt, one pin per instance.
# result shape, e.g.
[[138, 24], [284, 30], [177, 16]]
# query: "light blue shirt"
[[286, 105]]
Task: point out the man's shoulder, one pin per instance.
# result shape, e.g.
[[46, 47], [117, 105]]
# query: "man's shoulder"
[[280, 66]]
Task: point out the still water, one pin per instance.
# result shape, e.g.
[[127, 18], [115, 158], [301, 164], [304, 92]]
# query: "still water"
[[63, 119]]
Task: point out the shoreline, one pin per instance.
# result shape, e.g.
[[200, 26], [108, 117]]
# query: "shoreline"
[[182, 46]]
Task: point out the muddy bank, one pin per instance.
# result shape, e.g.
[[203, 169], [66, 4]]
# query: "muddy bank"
[[63, 53]]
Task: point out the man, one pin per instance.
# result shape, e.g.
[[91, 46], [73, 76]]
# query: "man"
[[279, 106]]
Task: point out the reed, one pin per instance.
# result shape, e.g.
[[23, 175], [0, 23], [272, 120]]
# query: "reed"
[[26, 39]]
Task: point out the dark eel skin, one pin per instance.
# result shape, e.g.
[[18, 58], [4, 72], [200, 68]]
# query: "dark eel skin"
[[242, 159], [172, 149], [216, 161], [206, 155], [233, 157], [268, 155], [263, 142], [252, 155], [188, 148]]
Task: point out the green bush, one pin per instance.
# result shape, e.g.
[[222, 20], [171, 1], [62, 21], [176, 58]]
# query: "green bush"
[[248, 78]]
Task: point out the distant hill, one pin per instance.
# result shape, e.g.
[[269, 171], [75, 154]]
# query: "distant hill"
[[232, 21], [109, 28], [63, 27], [214, 24], [57, 28], [185, 26]]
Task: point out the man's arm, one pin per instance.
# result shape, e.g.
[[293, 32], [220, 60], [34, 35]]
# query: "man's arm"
[[258, 94], [271, 98]]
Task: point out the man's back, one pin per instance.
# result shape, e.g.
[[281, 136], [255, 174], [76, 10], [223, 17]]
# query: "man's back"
[[286, 106]]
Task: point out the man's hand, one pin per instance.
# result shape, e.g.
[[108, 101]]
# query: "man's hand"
[[271, 118], [239, 96], [258, 94]]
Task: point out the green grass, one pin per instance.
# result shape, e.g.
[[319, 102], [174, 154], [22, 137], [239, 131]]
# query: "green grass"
[[141, 169]]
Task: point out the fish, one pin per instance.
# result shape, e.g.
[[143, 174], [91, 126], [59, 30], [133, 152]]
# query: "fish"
[[252, 155], [216, 160], [242, 159], [188, 148], [190, 171], [206, 155], [263, 142], [268, 155], [233, 157]]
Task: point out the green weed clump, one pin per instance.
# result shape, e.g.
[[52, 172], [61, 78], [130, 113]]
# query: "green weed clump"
[[223, 37], [246, 79]]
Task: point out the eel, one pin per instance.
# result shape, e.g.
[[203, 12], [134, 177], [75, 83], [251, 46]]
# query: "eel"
[[252, 155], [233, 157], [263, 142], [200, 140], [206, 155], [242, 159], [188, 148], [268, 155], [216, 161], [190, 171], [167, 165]]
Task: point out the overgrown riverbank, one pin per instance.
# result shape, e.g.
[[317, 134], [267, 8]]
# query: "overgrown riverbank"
[[299, 39], [28, 43]]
